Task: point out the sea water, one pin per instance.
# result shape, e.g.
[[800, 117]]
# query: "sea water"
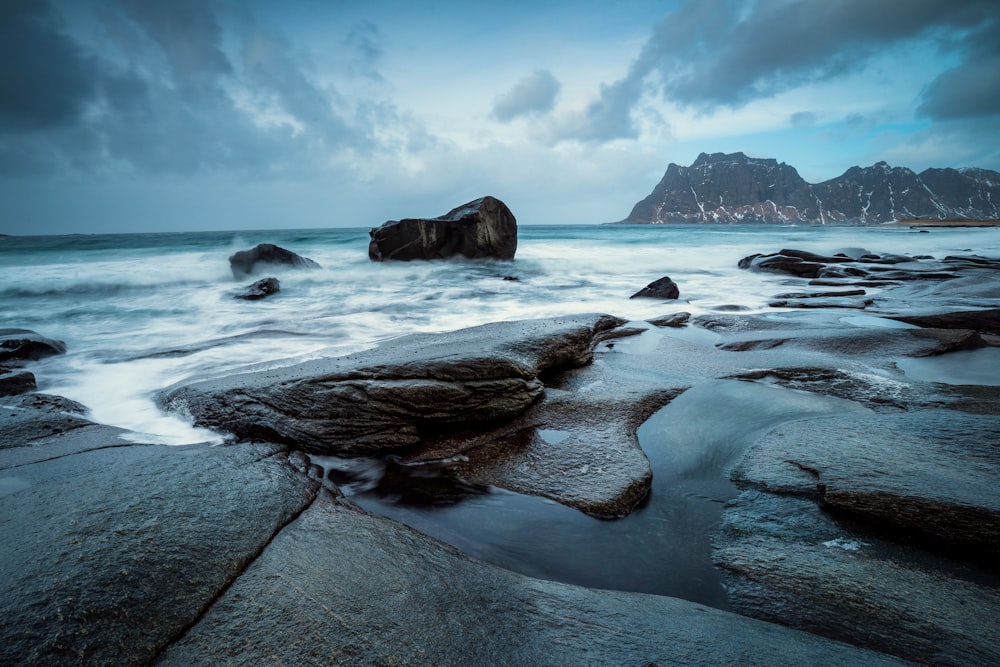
[[140, 312]]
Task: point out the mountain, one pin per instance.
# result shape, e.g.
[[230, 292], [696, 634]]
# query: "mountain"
[[733, 188]]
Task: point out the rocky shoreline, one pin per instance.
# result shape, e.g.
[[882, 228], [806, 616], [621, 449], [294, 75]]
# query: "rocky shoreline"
[[857, 537]]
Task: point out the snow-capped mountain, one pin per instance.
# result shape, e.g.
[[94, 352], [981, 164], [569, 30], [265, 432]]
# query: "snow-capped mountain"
[[733, 188]]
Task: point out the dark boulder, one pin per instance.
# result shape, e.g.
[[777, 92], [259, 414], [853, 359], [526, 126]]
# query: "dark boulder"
[[482, 228], [262, 288], [13, 382], [664, 288], [25, 344], [245, 262]]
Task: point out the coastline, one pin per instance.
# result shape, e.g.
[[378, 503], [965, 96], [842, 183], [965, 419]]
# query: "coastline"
[[747, 404]]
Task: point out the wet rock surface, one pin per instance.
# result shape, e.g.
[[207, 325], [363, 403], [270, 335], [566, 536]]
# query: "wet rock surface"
[[390, 398], [359, 609], [483, 228], [247, 262], [24, 344], [132, 554], [112, 549], [264, 287], [664, 288]]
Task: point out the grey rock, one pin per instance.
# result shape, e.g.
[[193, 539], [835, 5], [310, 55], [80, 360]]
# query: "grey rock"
[[983, 321], [339, 586], [262, 288], [930, 475], [13, 382], [787, 562], [662, 288], [481, 228], [18, 344], [247, 262], [389, 398], [674, 320], [110, 552]]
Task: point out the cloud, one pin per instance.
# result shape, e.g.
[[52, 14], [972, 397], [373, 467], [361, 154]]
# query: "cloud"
[[802, 119], [727, 53], [180, 87], [534, 94], [46, 80], [972, 88]]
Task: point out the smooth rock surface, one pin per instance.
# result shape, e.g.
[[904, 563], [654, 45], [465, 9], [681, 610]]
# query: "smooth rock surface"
[[342, 587], [391, 397], [111, 550], [481, 228], [787, 562], [928, 475]]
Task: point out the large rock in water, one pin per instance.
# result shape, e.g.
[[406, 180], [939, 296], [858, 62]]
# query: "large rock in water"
[[482, 228], [245, 262]]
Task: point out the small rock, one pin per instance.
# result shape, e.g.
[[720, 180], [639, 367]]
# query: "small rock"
[[26, 344], [260, 289], [664, 288], [13, 382]]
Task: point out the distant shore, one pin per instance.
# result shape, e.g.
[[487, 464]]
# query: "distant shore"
[[947, 222]]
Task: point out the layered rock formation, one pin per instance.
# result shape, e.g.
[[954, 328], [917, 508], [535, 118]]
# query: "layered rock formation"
[[734, 188], [481, 228]]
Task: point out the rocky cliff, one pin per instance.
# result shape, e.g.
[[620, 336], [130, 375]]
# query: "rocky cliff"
[[734, 188]]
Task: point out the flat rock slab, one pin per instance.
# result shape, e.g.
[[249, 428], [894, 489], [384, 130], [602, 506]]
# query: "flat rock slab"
[[929, 474], [342, 587], [787, 562], [110, 550], [391, 397]]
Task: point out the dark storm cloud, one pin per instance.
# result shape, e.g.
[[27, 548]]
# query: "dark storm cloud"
[[727, 53], [172, 87], [45, 81], [972, 89], [535, 93]]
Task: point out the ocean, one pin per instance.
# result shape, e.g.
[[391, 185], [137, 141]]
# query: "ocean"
[[139, 312]]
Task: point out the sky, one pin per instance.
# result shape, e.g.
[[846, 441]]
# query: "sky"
[[144, 115]]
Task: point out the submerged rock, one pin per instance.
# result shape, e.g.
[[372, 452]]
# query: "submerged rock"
[[384, 399], [663, 288], [481, 228], [262, 288], [247, 262], [26, 344]]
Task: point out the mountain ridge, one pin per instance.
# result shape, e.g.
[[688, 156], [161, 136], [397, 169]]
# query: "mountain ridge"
[[732, 188]]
